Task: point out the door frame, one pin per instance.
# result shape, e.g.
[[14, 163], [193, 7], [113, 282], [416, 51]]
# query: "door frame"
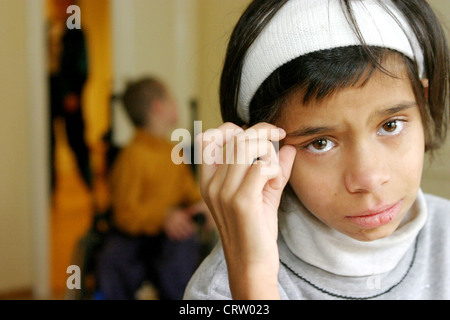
[[38, 148], [39, 143]]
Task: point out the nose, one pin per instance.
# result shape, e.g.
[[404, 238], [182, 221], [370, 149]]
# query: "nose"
[[367, 170]]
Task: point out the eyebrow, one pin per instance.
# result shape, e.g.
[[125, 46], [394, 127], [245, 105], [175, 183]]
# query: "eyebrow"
[[310, 131], [393, 110]]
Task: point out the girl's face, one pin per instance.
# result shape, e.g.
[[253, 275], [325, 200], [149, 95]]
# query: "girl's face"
[[359, 155]]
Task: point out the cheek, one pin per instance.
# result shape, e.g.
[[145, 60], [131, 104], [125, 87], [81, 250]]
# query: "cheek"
[[315, 186], [410, 157]]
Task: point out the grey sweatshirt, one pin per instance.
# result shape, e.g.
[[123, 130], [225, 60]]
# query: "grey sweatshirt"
[[423, 272]]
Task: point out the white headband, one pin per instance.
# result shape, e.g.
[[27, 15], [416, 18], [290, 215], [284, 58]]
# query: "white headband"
[[304, 26]]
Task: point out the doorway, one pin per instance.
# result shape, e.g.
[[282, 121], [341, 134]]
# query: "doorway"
[[73, 202]]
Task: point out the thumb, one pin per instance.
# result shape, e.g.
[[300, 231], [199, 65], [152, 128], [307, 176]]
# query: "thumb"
[[274, 188], [286, 160]]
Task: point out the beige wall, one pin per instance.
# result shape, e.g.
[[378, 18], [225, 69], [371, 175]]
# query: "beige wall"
[[15, 219], [217, 19], [165, 40], [181, 41], [188, 55], [158, 38], [436, 175]]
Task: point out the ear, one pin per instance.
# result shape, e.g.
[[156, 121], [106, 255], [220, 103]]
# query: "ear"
[[426, 87]]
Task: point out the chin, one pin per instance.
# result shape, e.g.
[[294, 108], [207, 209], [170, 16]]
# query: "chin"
[[372, 234]]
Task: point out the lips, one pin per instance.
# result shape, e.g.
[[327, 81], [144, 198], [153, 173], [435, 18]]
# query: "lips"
[[378, 216]]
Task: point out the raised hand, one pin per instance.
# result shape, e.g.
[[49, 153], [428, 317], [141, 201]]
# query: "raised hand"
[[242, 187]]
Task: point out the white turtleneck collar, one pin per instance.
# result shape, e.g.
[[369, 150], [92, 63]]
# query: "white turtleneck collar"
[[326, 248]]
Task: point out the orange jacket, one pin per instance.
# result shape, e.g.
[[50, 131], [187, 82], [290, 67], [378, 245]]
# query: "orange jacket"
[[146, 184]]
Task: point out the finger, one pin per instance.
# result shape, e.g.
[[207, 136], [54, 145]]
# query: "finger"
[[254, 183], [251, 144], [268, 137], [262, 131], [235, 151], [272, 185], [253, 149], [267, 128], [210, 144], [213, 174], [286, 158]]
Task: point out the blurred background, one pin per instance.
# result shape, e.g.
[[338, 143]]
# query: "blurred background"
[[181, 41]]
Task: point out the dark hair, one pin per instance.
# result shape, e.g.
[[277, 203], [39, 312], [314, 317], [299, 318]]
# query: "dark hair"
[[139, 96], [323, 72]]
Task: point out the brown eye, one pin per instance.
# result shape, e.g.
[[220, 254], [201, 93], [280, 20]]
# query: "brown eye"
[[320, 144], [390, 126]]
